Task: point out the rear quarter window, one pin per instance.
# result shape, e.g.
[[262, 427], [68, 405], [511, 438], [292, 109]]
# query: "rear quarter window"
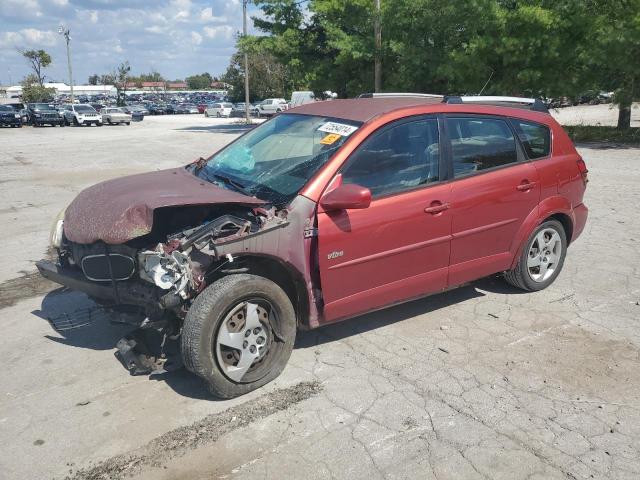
[[535, 138]]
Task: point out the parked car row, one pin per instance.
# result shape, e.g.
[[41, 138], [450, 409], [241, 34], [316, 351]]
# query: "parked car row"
[[42, 114]]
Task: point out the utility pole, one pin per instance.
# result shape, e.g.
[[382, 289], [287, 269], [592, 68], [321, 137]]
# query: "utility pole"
[[246, 62], [377, 68], [62, 30]]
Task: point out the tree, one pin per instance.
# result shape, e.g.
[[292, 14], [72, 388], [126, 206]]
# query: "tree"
[[34, 92], [120, 77], [38, 60], [94, 79], [612, 54], [199, 82], [267, 78]]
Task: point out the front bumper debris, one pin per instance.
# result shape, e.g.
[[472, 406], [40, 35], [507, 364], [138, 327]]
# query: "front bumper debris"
[[130, 292]]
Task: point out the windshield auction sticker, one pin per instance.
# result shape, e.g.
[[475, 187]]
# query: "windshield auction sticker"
[[338, 128], [330, 139]]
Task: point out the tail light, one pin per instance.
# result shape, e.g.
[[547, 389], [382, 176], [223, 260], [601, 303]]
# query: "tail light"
[[584, 171]]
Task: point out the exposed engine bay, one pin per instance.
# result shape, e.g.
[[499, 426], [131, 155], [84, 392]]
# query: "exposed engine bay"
[[163, 271]]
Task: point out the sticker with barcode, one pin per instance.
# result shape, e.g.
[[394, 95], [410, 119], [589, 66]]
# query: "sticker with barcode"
[[338, 128]]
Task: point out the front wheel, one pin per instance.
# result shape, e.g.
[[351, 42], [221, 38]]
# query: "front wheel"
[[542, 258], [206, 114], [238, 334]]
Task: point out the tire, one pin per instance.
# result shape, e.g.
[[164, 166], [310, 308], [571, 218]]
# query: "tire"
[[109, 122], [523, 276], [98, 124], [204, 355], [61, 124], [128, 123], [66, 122], [206, 114], [75, 122], [218, 114]]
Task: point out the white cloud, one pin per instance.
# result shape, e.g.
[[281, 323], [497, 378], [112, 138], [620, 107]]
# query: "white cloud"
[[93, 16], [207, 16], [196, 38], [154, 29], [219, 32], [29, 37]]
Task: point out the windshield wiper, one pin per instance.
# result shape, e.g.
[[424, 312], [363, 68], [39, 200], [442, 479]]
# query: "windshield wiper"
[[236, 185]]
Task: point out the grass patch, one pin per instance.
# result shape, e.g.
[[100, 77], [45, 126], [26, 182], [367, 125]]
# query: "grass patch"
[[588, 133]]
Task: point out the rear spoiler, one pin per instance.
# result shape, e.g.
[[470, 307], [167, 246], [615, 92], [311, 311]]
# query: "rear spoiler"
[[534, 104]]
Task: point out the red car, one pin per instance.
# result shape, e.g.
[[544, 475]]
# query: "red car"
[[325, 212]]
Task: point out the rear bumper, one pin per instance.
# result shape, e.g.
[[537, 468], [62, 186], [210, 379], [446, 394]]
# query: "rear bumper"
[[580, 214], [129, 292]]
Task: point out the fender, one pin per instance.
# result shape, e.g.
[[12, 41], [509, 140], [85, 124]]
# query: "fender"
[[549, 206]]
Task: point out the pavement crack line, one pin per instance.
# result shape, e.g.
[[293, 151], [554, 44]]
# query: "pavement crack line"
[[205, 431]]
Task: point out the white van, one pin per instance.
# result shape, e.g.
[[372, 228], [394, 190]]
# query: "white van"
[[300, 98]]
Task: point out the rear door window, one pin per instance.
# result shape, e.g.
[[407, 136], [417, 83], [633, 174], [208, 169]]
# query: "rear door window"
[[479, 144], [401, 157], [535, 138]]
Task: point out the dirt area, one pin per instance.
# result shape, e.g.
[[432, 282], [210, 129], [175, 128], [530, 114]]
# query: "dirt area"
[[482, 382], [605, 115]]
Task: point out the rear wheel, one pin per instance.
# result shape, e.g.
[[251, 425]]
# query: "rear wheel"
[[206, 114], [542, 258], [128, 123], [238, 334]]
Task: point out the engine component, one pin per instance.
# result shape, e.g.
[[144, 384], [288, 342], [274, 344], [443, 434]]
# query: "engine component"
[[167, 270]]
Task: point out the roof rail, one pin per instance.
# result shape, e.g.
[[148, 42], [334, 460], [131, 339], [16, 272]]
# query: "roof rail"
[[397, 94], [534, 104]]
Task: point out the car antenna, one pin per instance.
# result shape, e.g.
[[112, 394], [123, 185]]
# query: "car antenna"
[[486, 83]]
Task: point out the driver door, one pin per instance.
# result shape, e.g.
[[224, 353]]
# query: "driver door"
[[397, 248]]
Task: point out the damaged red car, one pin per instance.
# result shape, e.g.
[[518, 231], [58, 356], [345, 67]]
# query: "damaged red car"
[[325, 212]]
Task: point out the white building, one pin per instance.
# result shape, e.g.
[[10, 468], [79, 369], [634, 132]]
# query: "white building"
[[64, 89]]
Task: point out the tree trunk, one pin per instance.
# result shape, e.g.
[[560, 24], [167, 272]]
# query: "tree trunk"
[[624, 115]]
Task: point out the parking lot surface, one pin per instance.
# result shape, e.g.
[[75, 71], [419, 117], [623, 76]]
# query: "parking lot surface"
[[482, 382]]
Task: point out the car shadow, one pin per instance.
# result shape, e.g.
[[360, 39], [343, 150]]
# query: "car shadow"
[[79, 322], [387, 316]]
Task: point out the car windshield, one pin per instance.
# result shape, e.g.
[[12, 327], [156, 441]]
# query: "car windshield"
[[275, 160], [84, 109], [41, 106]]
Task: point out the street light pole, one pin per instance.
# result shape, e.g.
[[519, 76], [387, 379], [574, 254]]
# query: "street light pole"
[[65, 31], [246, 62]]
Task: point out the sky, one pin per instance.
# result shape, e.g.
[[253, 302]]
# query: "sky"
[[177, 38]]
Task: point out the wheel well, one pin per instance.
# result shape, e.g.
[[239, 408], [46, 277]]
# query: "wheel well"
[[566, 222], [280, 273]]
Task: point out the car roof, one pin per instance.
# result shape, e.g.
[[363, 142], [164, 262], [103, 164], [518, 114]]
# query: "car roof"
[[362, 109]]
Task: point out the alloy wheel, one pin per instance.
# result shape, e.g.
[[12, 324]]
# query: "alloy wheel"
[[544, 255]]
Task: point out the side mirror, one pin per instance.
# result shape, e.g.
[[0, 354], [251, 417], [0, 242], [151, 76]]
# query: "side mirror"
[[346, 197]]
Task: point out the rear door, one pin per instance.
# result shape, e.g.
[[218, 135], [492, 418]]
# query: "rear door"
[[494, 188], [398, 247]]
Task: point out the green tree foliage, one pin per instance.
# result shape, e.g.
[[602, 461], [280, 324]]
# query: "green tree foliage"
[[266, 77], [34, 92], [523, 47], [199, 82], [121, 77], [38, 60], [93, 79], [612, 56]]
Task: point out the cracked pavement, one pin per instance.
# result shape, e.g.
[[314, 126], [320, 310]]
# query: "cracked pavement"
[[481, 382]]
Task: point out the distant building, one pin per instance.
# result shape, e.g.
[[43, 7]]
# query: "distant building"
[[177, 86]]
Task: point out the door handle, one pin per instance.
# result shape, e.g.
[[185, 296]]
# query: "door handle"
[[525, 186], [437, 207]]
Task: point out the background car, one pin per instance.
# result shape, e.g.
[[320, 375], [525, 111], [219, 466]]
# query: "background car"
[[218, 110], [271, 106], [113, 115], [43, 114], [240, 108], [137, 112], [81, 114], [9, 116]]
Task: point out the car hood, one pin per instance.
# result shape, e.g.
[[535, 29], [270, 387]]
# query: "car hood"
[[120, 210]]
